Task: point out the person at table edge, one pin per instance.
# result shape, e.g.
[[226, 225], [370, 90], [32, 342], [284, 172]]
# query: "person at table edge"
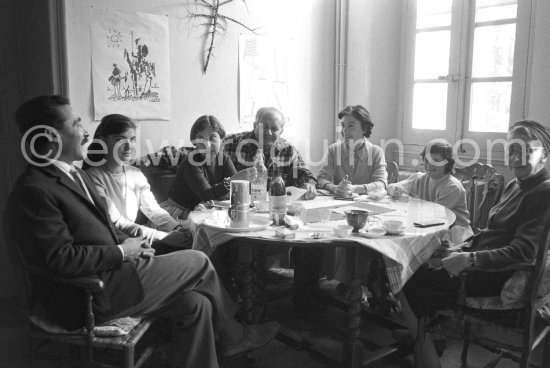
[[354, 165], [512, 236], [61, 225], [268, 128]]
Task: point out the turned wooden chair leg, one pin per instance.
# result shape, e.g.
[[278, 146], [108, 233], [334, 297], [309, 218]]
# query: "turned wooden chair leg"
[[546, 351], [419, 341], [466, 342]]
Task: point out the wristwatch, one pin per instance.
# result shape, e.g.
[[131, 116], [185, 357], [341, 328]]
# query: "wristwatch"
[[473, 259]]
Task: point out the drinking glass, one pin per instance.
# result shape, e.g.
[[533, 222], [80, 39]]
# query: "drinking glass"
[[324, 215]]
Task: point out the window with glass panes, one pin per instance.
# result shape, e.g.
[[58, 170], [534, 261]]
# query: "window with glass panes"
[[462, 64]]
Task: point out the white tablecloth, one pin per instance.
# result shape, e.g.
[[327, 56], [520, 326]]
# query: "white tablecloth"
[[403, 254]]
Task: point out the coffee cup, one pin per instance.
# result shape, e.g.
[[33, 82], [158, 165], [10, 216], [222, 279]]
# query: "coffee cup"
[[393, 226], [357, 219]]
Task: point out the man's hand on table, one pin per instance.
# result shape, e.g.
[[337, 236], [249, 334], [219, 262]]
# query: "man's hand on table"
[[136, 247], [311, 191]]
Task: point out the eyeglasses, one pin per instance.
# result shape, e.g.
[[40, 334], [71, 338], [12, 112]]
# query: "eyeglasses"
[[522, 150]]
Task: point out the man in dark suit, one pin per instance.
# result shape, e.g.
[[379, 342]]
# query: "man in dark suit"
[[61, 225]]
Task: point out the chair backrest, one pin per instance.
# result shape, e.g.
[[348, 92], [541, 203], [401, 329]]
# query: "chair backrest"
[[393, 171], [493, 186], [484, 187]]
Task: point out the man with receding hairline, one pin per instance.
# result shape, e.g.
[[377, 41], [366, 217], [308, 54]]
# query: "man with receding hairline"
[[268, 128]]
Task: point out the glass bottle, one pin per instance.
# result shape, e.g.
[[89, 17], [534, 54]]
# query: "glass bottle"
[[277, 197], [259, 185]]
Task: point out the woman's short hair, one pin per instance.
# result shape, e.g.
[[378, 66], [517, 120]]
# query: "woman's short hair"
[[533, 130], [207, 121], [113, 124], [360, 113], [445, 150]]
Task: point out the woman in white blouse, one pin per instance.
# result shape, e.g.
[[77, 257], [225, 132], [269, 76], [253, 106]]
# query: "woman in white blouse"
[[124, 186]]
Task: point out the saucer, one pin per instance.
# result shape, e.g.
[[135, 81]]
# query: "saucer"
[[372, 233], [396, 232]]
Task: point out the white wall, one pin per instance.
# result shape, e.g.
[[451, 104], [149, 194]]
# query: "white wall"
[[309, 23], [373, 62]]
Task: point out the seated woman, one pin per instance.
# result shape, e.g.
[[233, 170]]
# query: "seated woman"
[[354, 165], [437, 184], [125, 187], [512, 234], [205, 174]]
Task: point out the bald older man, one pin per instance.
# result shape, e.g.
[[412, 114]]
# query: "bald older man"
[[268, 128]]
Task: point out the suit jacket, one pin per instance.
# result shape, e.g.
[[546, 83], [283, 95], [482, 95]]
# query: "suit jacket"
[[58, 229]]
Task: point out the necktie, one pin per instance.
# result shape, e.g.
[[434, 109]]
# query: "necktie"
[[76, 179], [79, 182]]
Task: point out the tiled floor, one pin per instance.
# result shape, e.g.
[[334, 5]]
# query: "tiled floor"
[[275, 355]]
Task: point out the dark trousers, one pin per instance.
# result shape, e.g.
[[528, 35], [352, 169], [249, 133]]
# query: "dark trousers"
[[431, 290], [184, 287]]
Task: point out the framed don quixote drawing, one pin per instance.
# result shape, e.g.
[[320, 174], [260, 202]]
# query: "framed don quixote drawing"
[[130, 65]]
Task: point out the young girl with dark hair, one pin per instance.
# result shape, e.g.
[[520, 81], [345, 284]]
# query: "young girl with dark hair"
[[124, 186], [204, 175]]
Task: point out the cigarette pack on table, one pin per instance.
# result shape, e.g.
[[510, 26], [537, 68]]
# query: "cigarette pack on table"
[[285, 233]]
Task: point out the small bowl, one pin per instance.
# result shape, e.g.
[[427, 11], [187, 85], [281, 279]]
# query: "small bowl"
[[357, 219], [343, 231]]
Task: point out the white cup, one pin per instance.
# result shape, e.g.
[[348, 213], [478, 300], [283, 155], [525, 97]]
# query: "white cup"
[[393, 226]]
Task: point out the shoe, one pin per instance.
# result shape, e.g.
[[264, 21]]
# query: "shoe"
[[255, 336]]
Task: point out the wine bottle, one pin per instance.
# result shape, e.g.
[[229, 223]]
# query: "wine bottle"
[[259, 185]]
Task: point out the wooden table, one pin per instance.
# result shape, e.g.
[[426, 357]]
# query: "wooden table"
[[402, 254]]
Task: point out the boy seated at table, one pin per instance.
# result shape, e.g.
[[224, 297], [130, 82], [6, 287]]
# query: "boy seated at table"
[[436, 184]]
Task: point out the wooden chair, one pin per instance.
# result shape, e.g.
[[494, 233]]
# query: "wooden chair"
[[85, 341], [523, 316], [484, 187], [393, 171]]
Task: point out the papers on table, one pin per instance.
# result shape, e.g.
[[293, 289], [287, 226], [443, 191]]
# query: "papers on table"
[[430, 212], [295, 193]]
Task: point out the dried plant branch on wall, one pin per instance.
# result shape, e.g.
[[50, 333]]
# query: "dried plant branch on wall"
[[216, 23]]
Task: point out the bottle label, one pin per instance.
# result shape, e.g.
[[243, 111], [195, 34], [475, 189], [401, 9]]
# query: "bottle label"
[[277, 203], [258, 192]]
